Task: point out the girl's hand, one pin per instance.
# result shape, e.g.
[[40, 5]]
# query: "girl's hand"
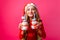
[[23, 26], [20, 24], [38, 25]]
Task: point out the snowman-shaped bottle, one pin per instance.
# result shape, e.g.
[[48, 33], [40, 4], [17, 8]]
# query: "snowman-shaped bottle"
[[34, 23], [24, 23], [24, 27]]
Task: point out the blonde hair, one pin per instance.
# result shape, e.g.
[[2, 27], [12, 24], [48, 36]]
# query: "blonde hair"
[[36, 14]]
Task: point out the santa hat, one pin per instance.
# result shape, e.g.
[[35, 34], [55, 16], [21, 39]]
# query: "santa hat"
[[30, 4]]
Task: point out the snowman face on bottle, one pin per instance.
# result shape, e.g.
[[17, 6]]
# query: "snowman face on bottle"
[[30, 10]]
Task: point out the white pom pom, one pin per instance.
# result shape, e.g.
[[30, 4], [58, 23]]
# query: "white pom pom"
[[24, 23], [34, 22], [23, 17], [24, 28], [32, 27], [32, 4]]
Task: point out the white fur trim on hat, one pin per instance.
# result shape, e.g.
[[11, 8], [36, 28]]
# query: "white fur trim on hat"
[[30, 4]]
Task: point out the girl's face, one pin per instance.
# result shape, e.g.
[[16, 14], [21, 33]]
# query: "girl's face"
[[30, 10]]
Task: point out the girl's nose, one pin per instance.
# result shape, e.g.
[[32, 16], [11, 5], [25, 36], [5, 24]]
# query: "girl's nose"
[[30, 11]]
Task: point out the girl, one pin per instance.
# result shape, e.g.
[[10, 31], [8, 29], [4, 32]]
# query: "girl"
[[34, 29]]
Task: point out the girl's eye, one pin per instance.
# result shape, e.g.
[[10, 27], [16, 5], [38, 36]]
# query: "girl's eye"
[[28, 9], [33, 9]]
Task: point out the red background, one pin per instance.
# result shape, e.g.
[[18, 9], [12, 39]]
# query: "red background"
[[12, 10]]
